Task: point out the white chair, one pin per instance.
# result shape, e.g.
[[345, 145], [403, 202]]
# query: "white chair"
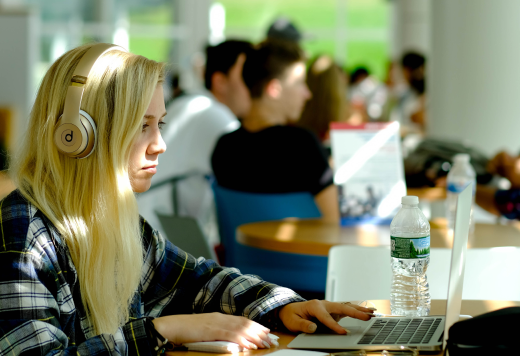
[[359, 273]]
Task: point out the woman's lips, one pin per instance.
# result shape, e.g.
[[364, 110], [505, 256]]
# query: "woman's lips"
[[151, 169]]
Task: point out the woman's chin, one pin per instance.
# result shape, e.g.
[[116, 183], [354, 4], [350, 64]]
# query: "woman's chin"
[[141, 186]]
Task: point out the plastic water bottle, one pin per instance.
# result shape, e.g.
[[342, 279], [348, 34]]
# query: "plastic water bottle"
[[460, 176], [410, 257]]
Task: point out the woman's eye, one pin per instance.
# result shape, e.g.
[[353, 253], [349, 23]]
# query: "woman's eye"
[[161, 124], [144, 127]]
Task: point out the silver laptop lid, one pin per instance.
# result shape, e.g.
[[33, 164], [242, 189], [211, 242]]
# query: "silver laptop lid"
[[458, 258]]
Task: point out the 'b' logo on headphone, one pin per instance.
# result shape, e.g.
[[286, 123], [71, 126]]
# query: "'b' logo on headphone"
[[67, 137]]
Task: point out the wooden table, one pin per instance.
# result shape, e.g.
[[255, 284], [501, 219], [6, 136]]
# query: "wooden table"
[[428, 193], [316, 237], [469, 307]]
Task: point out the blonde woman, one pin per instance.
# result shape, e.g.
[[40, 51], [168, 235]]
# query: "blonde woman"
[[82, 273]]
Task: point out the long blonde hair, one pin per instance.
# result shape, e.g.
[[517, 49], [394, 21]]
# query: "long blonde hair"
[[90, 201], [328, 103]]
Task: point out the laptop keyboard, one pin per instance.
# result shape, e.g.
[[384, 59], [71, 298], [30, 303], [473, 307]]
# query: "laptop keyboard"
[[401, 331]]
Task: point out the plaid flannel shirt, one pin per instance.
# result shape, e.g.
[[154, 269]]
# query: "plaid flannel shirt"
[[41, 312]]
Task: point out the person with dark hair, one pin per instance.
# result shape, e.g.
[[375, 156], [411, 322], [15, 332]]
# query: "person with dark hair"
[[195, 122], [265, 155], [413, 65], [358, 75], [283, 29], [410, 100]]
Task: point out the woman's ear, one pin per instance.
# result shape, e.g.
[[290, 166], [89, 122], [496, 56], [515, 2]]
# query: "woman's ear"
[[274, 88]]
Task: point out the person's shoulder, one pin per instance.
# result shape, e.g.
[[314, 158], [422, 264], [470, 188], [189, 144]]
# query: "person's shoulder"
[[198, 105], [303, 132], [199, 113], [20, 222], [227, 144], [234, 135], [292, 133]]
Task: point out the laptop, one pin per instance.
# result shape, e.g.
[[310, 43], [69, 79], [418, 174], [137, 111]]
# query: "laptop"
[[390, 333]]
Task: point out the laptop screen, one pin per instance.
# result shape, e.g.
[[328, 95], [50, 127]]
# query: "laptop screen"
[[458, 258]]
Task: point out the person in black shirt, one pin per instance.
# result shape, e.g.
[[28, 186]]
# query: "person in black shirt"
[[265, 155]]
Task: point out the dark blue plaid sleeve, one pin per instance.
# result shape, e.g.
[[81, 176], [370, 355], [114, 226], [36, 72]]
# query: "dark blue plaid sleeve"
[[178, 283], [508, 203]]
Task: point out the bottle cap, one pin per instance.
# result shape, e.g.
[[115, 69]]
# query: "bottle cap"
[[461, 157], [410, 200]]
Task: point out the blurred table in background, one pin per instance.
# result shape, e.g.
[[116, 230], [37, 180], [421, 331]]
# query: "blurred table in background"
[[428, 193], [316, 237]]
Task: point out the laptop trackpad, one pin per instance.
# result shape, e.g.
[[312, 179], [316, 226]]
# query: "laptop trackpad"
[[332, 340]]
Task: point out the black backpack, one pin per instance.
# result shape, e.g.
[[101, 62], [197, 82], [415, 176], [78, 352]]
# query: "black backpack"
[[432, 159], [493, 333]]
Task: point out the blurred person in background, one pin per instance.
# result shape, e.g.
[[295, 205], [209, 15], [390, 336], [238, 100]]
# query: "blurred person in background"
[[283, 29], [409, 96], [173, 90], [367, 95], [505, 199], [328, 103], [195, 122], [265, 155]]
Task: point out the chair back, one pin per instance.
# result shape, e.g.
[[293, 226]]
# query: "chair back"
[[235, 208], [184, 232], [295, 271], [360, 273], [490, 273]]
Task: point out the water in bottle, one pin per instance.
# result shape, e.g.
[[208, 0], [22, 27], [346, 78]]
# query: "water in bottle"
[[410, 256], [460, 176]]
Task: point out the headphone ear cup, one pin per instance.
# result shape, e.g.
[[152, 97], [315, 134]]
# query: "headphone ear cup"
[[91, 128]]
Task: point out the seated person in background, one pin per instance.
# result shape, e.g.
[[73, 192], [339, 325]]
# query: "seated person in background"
[[195, 122], [497, 201], [265, 155], [410, 109], [328, 103], [82, 272]]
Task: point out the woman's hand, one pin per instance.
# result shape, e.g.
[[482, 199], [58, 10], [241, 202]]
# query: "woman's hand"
[[298, 316], [181, 329]]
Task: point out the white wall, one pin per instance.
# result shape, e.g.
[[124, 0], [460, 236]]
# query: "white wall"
[[19, 50], [410, 27], [474, 73], [193, 17]]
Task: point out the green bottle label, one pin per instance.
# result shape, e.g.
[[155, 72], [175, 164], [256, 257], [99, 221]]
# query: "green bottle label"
[[410, 247]]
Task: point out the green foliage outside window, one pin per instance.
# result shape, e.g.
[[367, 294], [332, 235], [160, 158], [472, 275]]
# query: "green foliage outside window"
[[250, 19], [153, 48]]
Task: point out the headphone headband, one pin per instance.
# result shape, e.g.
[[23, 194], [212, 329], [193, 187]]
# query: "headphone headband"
[[75, 132], [79, 79]]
